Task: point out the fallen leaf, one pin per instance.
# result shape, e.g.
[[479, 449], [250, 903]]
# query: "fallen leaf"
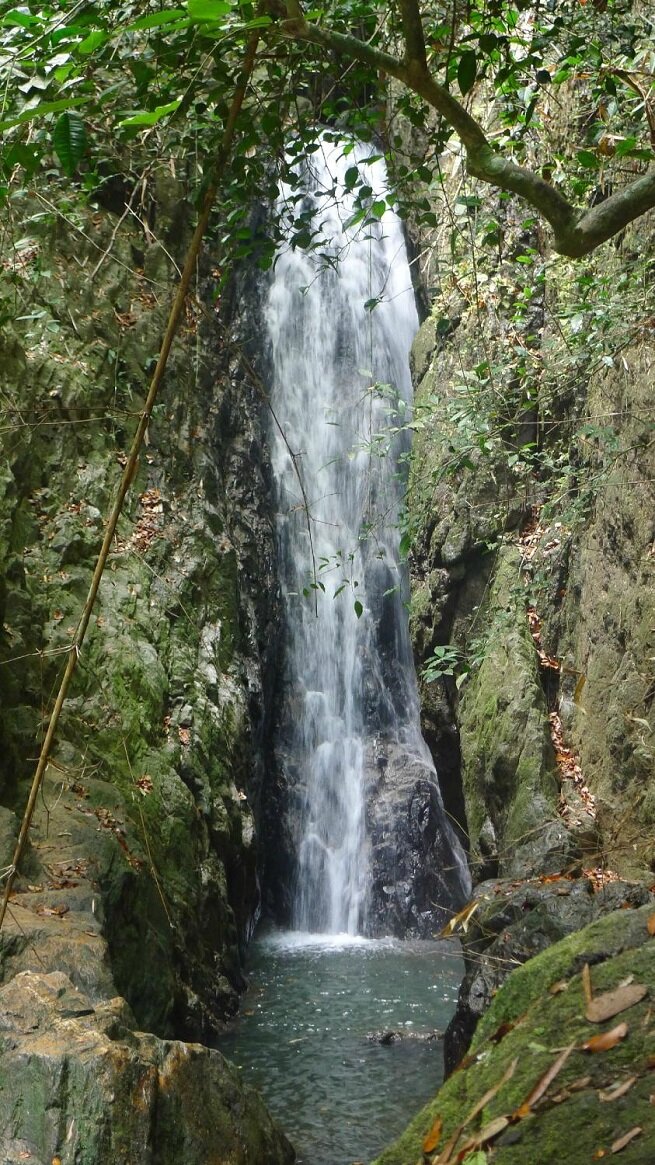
[[445, 1154], [501, 1032], [650, 925], [542, 1084], [488, 1133], [618, 1089], [431, 1139], [598, 1154], [559, 986], [460, 920], [586, 984], [611, 1003], [621, 1142], [491, 1092], [578, 688], [560, 1097], [580, 1084], [606, 1040]]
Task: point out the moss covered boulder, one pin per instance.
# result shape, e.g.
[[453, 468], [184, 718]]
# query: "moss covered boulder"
[[538, 1084]]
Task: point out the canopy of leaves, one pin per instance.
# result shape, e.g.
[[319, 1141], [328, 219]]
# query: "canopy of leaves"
[[83, 83]]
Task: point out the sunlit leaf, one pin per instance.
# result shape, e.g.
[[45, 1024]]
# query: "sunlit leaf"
[[606, 1040], [154, 19], [41, 110], [151, 117], [92, 42], [208, 10], [461, 920]]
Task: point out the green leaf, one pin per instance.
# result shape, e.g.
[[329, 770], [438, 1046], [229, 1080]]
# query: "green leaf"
[[359, 610], [69, 141], [92, 42], [153, 115], [378, 208], [588, 159], [208, 10], [24, 19], [467, 71], [41, 110], [156, 18]]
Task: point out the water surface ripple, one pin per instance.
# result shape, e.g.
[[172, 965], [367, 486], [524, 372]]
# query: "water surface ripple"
[[306, 1037]]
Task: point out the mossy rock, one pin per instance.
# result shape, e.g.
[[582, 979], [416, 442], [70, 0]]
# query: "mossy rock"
[[539, 1012], [508, 765], [80, 1085]]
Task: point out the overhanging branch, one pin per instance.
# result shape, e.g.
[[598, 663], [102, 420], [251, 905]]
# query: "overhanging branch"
[[576, 231]]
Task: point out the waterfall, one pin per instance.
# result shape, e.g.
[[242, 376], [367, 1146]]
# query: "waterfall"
[[341, 320]]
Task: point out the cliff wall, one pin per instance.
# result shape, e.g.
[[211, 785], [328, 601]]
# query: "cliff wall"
[[141, 876]]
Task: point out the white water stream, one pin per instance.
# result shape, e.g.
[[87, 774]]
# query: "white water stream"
[[349, 669]]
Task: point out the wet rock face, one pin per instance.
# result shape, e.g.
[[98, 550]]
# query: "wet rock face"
[[411, 894], [158, 753], [141, 876], [80, 1084]]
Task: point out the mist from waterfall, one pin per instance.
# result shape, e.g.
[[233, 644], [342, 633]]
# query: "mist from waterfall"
[[341, 321]]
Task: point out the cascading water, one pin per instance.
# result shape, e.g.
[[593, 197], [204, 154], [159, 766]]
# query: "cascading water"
[[341, 321]]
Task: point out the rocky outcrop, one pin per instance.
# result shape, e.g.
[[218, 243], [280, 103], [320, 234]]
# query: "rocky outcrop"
[[140, 880], [598, 615], [511, 922], [81, 1084], [533, 1087], [412, 894]]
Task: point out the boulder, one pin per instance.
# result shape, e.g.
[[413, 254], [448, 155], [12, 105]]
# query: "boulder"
[[552, 1098], [80, 1085]]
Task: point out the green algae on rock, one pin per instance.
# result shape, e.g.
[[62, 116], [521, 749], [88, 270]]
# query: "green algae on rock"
[[538, 1012]]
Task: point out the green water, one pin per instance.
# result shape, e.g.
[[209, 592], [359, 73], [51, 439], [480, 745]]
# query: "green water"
[[303, 1038]]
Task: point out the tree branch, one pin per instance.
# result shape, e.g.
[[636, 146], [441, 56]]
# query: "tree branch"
[[413, 35], [576, 231]]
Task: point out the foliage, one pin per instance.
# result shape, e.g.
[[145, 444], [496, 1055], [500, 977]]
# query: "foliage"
[[83, 83]]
